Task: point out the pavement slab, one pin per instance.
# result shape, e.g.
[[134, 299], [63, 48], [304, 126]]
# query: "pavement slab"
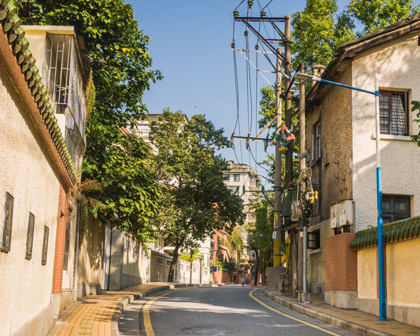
[[355, 321], [98, 315]]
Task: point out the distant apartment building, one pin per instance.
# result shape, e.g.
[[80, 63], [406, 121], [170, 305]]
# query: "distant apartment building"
[[244, 181]]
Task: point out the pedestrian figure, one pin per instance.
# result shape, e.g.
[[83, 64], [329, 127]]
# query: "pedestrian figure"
[[243, 281]]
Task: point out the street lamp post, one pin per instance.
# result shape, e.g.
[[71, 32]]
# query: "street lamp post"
[[381, 264]]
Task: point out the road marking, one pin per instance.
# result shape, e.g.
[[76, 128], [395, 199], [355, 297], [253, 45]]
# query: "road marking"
[[251, 294], [146, 314]]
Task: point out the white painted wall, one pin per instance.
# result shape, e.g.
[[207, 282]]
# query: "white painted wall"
[[397, 64], [27, 173]]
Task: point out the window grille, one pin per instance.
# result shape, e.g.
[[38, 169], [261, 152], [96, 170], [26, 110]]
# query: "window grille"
[[314, 241], [395, 208], [45, 245], [64, 83], [393, 112], [30, 236], [8, 221]]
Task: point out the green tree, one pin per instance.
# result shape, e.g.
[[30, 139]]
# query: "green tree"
[[317, 32], [235, 242], [191, 174], [320, 28], [260, 233], [377, 14], [416, 107], [117, 50]]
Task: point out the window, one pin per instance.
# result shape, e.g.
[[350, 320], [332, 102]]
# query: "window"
[[234, 189], [236, 177], [226, 177], [159, 260], [30, 236], [8, 220], [393, 111], [127, 243], [316, 143], [314, 241], [45, 245], [67, 247], [395, 208], [168, 263]]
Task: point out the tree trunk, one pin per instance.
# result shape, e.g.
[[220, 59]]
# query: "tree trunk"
[[171, 273]]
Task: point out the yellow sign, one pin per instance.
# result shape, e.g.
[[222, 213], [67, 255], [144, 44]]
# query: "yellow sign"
[[276, 216]]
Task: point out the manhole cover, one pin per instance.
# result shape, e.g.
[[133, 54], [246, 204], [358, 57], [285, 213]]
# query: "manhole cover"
[[212, 331]]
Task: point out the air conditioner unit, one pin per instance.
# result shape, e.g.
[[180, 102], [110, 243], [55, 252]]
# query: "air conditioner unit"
[[334, 215], [346, 213]]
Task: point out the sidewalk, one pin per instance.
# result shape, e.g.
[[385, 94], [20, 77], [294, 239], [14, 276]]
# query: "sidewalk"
[[99, 314], [352, 320]]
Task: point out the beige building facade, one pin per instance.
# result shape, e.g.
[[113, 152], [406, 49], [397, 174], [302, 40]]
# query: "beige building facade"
[[37, 221], [341, 138]]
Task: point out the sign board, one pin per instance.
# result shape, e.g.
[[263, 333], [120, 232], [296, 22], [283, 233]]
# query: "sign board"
[[274, 235], [276, 216], [214, 268]]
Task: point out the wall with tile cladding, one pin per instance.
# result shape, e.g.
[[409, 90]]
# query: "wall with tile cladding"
[[29, 175]]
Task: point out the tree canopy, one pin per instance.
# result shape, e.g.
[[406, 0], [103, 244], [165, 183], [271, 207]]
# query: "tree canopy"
[[117, 50], [320, 28], [259, 234], [196, 200]]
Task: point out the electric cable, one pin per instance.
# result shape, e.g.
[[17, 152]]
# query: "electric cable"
[[259, 165], [240, 4]]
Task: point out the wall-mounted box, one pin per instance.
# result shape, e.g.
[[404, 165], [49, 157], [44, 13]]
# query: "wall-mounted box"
[[334, 215], [346, 213]]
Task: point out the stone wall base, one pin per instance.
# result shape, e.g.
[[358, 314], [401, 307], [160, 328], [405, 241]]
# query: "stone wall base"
[[341, 299], [84, 289], [274, 278], [39, 325], [409, 315]]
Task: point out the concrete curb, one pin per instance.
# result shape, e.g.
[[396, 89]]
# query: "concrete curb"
[[335, 321], [130, 298]]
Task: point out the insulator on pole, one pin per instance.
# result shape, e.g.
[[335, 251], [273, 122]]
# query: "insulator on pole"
[[246, 32], [250, 3], [263, 14], [235, 13], [233, 45], [257, 47]]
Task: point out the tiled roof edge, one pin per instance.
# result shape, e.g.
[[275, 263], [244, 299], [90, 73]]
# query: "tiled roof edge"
[[393, 232], [20, 48]]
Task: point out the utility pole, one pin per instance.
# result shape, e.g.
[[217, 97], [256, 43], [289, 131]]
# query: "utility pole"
[[302, 166], [277, 179], [288, 102]]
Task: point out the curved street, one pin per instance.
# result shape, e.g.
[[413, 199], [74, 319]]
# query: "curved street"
[[229, 310]]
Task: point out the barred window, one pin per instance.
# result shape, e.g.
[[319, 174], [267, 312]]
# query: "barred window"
[[8, 220], [30, 236], [395, 208], [393, 107]]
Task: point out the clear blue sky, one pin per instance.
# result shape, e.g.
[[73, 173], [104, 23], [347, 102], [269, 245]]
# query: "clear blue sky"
[[192, 47]]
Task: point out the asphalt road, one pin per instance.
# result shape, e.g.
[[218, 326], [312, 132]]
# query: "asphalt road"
[[227, 310]]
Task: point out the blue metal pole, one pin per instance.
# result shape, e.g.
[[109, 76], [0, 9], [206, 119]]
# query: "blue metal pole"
[[347, 86], [381, 259]]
